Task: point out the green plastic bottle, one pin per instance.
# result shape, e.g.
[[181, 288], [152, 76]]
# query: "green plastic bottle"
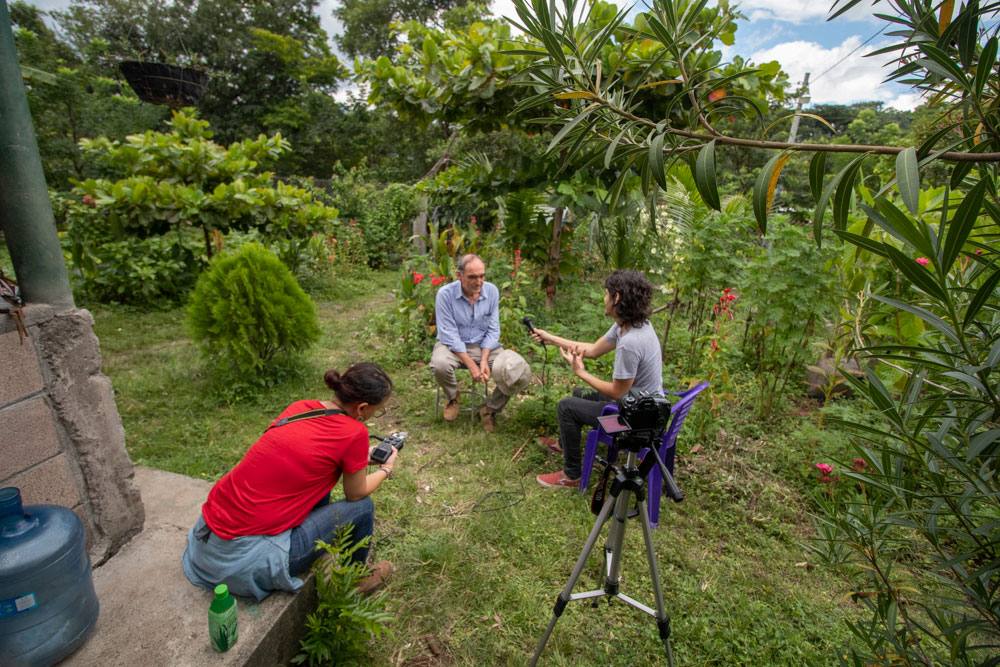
[[222, 626]]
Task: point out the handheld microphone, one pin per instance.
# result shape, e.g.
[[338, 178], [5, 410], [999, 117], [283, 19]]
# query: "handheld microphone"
[[526, 321]]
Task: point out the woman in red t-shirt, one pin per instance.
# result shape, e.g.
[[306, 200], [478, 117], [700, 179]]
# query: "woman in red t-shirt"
[[259, 526]]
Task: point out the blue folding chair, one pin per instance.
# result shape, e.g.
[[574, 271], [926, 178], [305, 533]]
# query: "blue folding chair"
[[667, 448]]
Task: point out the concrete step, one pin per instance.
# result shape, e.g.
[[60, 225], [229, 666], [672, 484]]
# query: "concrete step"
[[152, 615]]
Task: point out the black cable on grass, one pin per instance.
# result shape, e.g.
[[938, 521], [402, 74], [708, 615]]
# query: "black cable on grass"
[[478, 506]]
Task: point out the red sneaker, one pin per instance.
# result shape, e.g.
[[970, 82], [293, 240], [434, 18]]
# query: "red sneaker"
[[557, 479]]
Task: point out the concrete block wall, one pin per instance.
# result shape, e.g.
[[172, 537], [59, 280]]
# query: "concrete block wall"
[[61, 439]]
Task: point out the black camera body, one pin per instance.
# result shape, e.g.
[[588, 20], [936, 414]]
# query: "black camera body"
[[381, 453], [645, 412]]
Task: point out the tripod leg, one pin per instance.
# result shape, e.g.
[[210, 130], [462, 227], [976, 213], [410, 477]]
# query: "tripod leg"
[[662, 620], [613, 547], [567, 591]]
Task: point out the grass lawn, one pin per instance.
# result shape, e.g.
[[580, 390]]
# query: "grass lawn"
[[481, 549]]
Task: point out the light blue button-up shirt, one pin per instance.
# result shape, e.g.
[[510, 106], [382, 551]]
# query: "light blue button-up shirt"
[[460, 323]]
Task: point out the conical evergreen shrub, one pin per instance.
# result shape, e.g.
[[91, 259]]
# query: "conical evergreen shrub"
[[247, 311]]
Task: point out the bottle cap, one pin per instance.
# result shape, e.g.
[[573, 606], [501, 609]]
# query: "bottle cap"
[[221, 592], [10, 502]]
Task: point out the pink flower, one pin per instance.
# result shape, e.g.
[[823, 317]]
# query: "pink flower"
[[859, 465], [979, 251], [923, 261], [824, 468], [417, 277], [715, 346]]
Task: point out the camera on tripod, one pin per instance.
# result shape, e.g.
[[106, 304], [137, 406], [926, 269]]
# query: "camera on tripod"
[[641, 419], [383, 450]]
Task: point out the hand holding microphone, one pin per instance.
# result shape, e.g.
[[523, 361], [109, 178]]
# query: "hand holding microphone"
[[535, 333]]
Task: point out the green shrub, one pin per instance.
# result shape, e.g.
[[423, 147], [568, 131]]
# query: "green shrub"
[[344, 620], [247, 309], [386, 222], [170, 184], [154, 270], [382, 213]]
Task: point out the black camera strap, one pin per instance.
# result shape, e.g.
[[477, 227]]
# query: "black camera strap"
[[326, 412]]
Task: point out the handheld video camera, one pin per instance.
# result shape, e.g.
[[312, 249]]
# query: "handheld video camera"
[[383, 450]]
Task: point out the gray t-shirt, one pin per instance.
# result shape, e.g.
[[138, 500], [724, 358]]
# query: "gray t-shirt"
[[637, 355]]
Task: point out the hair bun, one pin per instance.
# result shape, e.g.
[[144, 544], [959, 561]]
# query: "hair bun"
[[332, 379]]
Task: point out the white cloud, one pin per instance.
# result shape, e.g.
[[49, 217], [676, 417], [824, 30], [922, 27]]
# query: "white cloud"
[[855, 79], [799, 11]]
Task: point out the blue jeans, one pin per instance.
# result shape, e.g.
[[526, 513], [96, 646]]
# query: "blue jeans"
[[322, 524]]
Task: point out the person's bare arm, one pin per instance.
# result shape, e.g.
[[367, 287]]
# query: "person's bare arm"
[[614, 389], [470, 363], [358, 485], [599, 347]]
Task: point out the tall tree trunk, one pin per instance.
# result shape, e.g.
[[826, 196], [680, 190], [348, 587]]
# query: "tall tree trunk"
[[552, 264]]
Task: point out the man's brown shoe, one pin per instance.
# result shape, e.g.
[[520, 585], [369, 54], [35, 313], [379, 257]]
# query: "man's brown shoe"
[[451, 410], [487, 417], [376, 580]]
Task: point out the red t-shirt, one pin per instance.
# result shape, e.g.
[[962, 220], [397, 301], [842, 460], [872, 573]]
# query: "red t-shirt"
[[285, 473]]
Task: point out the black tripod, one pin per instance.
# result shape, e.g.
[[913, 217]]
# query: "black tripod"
[[628, 480]]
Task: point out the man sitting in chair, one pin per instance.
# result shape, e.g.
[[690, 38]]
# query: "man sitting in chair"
[[467, 312], [638, 366]]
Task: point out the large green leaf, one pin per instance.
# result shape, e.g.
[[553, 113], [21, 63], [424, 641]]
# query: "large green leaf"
[[908, 179], [982, 295], [922, 313], [704, 176], [656, 159], [894, 221], [831, 187], [985, 65], [764, 188], [817, 168], [961, 225], [565, 129], [863, 242], [843, 197], [918, 276]]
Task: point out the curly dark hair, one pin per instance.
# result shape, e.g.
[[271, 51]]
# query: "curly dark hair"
[[364, 381], [634, 294]]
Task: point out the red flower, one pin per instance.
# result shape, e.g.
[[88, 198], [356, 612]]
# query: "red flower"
[[979, 251], [717, 94], [417, 277], [437, 280], [715, 346], [89, 201], [923, 261], [859, 465]]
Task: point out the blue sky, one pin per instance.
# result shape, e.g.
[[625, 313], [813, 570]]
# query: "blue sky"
[[793, 32], [797, 34]]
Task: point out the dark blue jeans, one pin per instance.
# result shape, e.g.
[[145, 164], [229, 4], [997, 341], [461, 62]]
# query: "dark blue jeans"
[[574, 412], [322, 524]]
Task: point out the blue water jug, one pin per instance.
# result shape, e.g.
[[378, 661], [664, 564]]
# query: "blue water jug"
[[47, 601]]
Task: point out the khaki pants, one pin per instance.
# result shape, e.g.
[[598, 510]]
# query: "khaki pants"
[[508, 370]]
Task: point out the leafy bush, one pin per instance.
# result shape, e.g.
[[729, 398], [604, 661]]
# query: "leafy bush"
[[788, 293], [344, 620], [146, 271], [158, 184], [247, 309], [386, 222]]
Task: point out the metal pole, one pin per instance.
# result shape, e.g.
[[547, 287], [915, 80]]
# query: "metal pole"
[[25, 210], [803, 96]]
